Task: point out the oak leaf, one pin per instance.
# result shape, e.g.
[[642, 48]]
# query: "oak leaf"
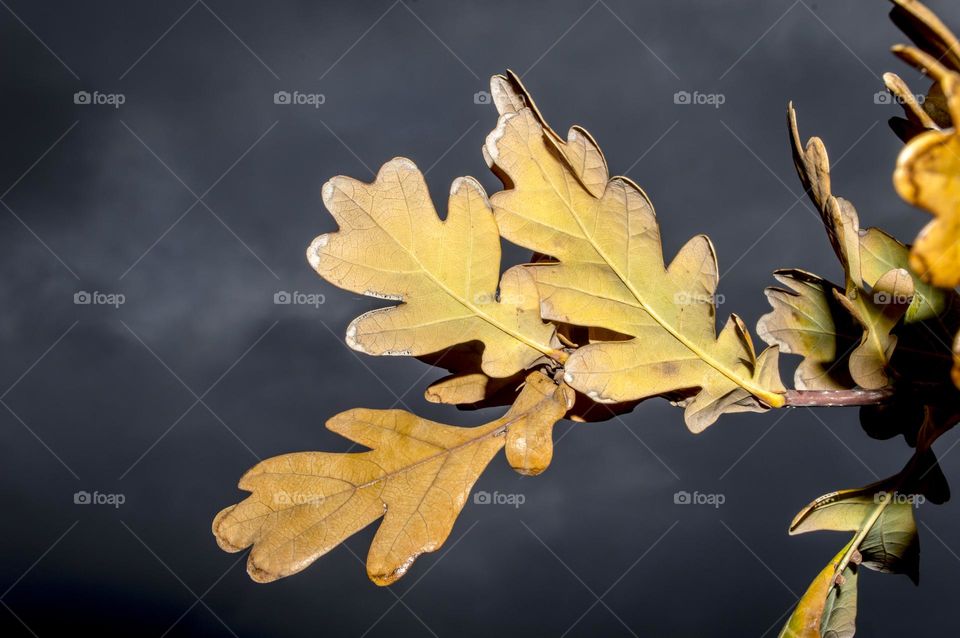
[[467, 386], [826, 609], [610, 273], [885, 540], [926, 176], [416, 476], [808, 320], [878, 291], [392, 245], [927, 167]]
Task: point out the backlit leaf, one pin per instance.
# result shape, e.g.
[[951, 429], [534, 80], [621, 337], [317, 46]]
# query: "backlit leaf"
[[392, 245], [928, 176], [840, 609], [879, 254], [928, 169], [927, 31]]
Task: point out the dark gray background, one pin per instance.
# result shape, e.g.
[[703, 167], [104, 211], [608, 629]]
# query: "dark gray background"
[[91, 393]]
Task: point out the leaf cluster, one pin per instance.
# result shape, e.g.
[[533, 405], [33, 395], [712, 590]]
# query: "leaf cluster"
[[599, 319]]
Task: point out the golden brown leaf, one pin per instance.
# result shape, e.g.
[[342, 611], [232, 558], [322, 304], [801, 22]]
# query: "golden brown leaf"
[[928, 176], [807, 320], [911, 105], [473, 389], [955, 373], [611, 274], [392, 245], [927, 31], [416, 476], [880, 254], [530, 436], [467, 386], [876, 298]]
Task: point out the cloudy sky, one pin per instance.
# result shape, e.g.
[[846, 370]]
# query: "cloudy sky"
[[183, 190]]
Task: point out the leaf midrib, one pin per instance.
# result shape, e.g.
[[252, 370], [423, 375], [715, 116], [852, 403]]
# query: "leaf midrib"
[[545, 349], [771, 398]]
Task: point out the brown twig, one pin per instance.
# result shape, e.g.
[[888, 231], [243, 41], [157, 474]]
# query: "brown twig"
[[836, 398]]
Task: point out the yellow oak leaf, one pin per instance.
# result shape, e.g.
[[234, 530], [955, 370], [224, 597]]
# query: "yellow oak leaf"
[[879, 254], [807, 320], [610, 273], [416, 476], [927, 168], [878, 290], [392, 245], [468, 388], [530, 437], [923, 26], [927, 175]]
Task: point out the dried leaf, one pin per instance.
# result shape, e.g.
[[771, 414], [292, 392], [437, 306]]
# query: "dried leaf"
[[611, 273], [955, 373], [880, 254], [807, 320], [928, 168], [886, 540], [472, 390], [919, 118], [530, 437], [840, 609], [927, 176], [892, 296], [876, 299], [825, 606], [927, 31], [392, 245], [416, 476], [890, 544]]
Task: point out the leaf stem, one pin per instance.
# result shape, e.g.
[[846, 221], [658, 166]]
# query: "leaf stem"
[[836, 398], [885, 498]]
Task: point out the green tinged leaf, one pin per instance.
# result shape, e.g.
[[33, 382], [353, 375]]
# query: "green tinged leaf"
[[824, 606], [878, 292]]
